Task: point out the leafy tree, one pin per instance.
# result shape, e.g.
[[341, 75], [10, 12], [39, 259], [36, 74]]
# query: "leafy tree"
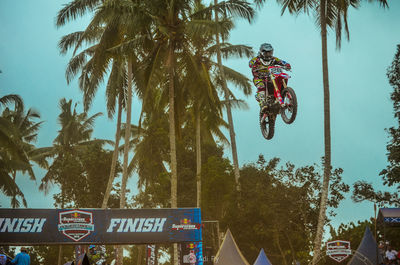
[[77, 159], [352, 232], [86, 189], [391, 175], [278, 209], [43, 255]]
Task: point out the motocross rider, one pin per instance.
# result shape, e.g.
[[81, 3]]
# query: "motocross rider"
[[97, 255], [258, 65]]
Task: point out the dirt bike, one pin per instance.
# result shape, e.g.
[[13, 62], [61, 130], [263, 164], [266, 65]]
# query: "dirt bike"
[[285, 102]]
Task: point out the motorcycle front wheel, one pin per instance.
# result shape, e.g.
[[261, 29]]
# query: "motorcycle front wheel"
[[267, 125], [289, 111]]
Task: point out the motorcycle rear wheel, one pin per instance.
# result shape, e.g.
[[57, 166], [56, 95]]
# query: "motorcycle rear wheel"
[[289, 112], [267, 125]]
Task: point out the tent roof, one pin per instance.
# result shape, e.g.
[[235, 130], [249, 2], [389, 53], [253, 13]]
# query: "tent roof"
[[262, 259], [229, 253], [368, 248], [390, 216]]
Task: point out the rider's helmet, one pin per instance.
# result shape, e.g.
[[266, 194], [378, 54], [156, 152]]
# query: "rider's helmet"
[[92, 249], [266, 51]]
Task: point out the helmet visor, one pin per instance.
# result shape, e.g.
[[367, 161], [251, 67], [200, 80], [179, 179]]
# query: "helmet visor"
[[267, 54]]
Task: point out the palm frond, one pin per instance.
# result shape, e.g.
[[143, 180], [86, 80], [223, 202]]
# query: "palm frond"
[[239, 80], [74, 9], [236, 104], [7, 99], [228, 50], [237, 8]]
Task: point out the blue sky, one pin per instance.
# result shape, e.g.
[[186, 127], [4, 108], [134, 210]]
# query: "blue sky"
[[360, 94]]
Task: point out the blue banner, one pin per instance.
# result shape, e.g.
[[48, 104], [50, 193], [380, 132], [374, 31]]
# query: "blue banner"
[[99, 226]]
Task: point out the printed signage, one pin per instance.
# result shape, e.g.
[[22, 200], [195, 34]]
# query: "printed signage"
[[186, 224], [151, 256], [338, 250], [92, 226], [75, 224], [191, 253]]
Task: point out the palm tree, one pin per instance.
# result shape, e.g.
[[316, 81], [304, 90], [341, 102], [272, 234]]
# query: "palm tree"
[[203, 85], [74, 135], [12, 156], [173, 21], [329, 14], [248, 16], [109, 27], [27, 134]]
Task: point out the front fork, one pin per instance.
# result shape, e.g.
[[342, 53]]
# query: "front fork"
[[277, 92]]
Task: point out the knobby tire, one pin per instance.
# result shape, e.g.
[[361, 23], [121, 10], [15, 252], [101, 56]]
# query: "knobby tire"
[[288, 91]]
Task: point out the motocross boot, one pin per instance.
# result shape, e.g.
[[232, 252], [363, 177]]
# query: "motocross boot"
[[269, 104]]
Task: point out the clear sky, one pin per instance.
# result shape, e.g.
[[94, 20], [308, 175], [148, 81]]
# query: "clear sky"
[[360, 94]]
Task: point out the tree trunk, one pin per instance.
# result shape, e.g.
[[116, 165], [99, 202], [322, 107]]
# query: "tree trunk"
[[114, 164], [228, 108], [172, 140], [115, 155], [141, 249], [327, 138], [198, 158], [14, 196], [60, 250], [291, 246], [60, 254], [277, 242], [122, 202]]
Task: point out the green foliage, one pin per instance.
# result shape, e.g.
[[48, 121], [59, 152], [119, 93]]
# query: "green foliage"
[[43, 255], [277, 208], [86, 176], [18, 133], [80, 165], [352, 232]]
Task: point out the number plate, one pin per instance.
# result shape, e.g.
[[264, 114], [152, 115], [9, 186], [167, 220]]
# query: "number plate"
[[276, 71]]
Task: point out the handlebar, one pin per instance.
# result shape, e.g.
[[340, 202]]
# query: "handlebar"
[[280, 66]]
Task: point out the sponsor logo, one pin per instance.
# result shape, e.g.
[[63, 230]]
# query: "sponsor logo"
[[22, 225], [190, 258], [123, 225], [186, 224], [392, 219], [151, 255], [75, 224], [191, 246], [338, 250]]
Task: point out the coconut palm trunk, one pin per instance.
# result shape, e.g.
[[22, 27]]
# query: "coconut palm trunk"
[[60, 247], [228, 107], [327, 137], [122, 202], [115, 155], [198, 157], [172, 138], [14, 197]]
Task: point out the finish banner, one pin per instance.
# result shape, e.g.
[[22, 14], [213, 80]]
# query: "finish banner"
[[99, 226]]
